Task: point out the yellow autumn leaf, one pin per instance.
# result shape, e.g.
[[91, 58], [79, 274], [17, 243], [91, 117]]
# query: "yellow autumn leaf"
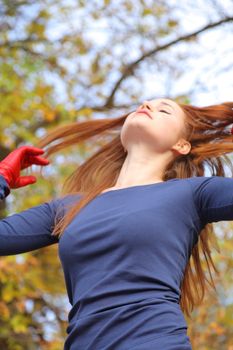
[[49, 115], [8, 292], [4, 311], [217, 328], [19, 323]]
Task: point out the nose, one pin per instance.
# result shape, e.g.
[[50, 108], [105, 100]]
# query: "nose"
[[146, 105]]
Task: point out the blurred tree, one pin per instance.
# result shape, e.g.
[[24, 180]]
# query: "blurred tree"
[[63, 61]]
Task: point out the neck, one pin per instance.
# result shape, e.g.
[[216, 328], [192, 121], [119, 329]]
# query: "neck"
[[141, 171]]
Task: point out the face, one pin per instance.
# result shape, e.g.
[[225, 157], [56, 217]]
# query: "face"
[[161, 131]]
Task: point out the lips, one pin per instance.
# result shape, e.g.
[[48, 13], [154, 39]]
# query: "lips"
[[145, 112]]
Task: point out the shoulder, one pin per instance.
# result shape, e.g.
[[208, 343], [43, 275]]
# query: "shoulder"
[[65, 201], [194, 182], [209, 184], [199, 180]]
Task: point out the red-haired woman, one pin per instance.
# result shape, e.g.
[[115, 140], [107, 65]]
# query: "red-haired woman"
[[129, 220]]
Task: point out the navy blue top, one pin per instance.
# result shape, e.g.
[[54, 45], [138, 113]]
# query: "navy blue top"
[[124, 257]]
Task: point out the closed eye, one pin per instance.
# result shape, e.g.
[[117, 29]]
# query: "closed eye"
[[162, 110]]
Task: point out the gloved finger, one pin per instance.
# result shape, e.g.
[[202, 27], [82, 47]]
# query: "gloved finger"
[[24, 181], [29, 160], [34, 160], [40, 161], [31, 150]]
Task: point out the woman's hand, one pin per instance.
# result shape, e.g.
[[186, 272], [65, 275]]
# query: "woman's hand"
[[19, 159]]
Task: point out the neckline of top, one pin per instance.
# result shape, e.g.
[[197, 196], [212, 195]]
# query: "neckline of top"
[[135, 187]]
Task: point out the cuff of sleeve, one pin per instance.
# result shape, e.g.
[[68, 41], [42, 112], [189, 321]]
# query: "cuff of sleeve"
[[4, 188]]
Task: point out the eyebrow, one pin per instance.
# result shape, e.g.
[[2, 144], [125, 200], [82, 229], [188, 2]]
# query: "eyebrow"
[[165, 103]]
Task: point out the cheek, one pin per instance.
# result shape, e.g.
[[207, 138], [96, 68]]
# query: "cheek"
[[167, 127]]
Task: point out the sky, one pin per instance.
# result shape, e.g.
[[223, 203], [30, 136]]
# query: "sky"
[[211, 53]]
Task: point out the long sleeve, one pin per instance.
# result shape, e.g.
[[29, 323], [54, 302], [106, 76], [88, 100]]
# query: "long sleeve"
[[28, 230], [4, 188], [213, 197]]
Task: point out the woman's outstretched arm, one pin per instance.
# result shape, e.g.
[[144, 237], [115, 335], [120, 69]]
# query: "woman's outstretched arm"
[[28, 230], [213, 197]]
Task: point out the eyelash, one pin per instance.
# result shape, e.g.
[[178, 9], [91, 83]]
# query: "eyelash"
[[162, 110]]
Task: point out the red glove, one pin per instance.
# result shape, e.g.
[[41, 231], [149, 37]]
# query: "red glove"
[[19, 159]]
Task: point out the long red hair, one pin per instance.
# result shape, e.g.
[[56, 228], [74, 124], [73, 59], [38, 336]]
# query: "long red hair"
[[208, 131]]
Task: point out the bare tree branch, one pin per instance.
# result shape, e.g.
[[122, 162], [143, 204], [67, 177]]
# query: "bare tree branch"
[[129, 69]]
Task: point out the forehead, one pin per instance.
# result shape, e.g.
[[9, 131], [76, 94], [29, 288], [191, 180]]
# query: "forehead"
[[177, 109], [168, 101]]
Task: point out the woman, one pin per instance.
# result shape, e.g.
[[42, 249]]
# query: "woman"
[[129, 220]]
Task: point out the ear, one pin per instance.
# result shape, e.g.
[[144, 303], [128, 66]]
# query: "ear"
[[182, 146]]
